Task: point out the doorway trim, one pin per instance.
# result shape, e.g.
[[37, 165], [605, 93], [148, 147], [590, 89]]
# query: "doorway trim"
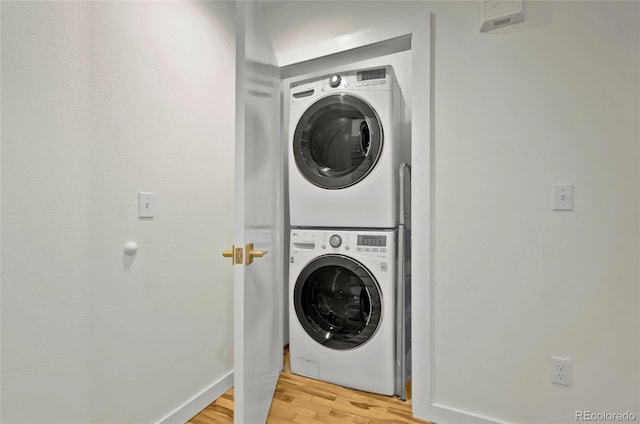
[[415, 34]]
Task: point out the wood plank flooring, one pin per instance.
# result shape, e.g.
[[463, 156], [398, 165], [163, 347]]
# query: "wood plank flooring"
[[303, 400]]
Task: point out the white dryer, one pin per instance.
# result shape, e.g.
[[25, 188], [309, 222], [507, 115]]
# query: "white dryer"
[[342, 307], [346, 143]]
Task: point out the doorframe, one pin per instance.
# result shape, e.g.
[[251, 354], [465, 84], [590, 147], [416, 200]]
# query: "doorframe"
[[419, 32]]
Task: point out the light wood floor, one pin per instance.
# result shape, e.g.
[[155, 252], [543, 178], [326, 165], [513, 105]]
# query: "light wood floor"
[[303, 400]]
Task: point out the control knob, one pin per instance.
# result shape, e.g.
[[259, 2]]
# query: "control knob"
[[335, 240], [335, 80]]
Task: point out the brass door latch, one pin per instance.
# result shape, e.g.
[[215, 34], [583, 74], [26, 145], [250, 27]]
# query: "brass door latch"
[[253, 253], [236, 254]]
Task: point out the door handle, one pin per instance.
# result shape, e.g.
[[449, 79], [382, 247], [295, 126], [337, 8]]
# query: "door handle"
[[235, 254], [253, 253]]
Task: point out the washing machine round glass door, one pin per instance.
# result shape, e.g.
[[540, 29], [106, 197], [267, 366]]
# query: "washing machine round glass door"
[[337, 302], [337, 141]]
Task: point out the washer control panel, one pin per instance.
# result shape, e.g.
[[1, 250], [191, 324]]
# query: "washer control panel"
[[370, 243]]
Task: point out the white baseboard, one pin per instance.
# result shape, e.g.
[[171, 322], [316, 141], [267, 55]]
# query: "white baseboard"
[[190, 408]]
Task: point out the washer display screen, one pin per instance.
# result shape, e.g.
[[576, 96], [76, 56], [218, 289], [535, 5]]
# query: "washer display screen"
[[377, 241], [371, 74]]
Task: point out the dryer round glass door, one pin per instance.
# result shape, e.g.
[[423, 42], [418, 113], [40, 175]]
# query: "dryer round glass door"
[[337, 302], [337, 141]]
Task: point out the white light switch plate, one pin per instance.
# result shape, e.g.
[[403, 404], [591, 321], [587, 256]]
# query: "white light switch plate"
[[145, 205], [562, 197]]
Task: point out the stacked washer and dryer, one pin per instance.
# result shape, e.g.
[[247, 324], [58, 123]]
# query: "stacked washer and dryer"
[[346, 148]]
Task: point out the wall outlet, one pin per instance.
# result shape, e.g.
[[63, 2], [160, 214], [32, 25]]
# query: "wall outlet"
[[561, 371]]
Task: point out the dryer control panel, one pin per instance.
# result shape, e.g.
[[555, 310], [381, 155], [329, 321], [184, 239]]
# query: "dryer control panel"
[[373, 79], [380, 244]]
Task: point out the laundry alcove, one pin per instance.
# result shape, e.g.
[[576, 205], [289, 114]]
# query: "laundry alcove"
[[406, 44]]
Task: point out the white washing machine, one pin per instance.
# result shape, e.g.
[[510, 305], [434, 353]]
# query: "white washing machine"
[[342, 307], [346, 142]]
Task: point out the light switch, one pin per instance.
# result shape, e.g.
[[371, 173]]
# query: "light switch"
[[145, 205], [562, 197]]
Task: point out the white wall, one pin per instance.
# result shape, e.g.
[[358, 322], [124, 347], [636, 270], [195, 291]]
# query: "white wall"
[[101, 100], [555, 99]]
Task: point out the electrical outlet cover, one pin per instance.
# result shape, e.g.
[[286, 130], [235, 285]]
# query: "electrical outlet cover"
[[561, 371]]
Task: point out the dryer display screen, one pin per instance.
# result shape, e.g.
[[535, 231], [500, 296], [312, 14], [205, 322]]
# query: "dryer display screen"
[[371, 74], [379, 241]]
